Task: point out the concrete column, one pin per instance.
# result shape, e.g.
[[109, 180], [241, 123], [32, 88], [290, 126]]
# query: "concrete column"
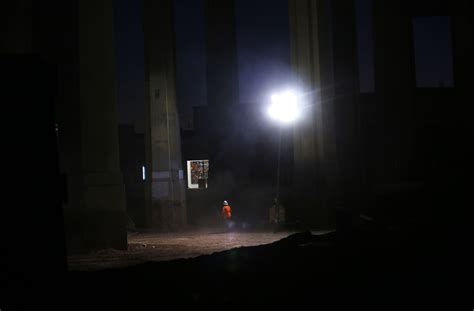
[[462, 132], [221, 52], [165, 190], [305, 65], [222, 99], [326, 113], [346, 104], [16, 27], [314, 148], [75, 40], [394, 85], [463, 48], [32, 208], [95, 215]]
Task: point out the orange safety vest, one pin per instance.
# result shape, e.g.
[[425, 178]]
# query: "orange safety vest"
[[226, 211]]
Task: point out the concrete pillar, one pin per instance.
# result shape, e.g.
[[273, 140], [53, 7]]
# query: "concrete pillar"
[[222, 101], [75, 40], [95, 213], [394, 85], [306, 78], [165, 190], [346, 104], [221, 52], [462, 166], [463, 46], [16, 27], [326, 113], [31, 195], [314, 147]]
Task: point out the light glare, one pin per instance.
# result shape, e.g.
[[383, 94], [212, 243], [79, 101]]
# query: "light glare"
[[284, 107]]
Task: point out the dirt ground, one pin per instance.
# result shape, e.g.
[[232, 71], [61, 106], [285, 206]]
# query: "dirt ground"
[[145, 247]]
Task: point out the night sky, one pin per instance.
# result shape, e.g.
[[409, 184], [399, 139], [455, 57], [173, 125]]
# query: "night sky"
[[263, 48], [129, 55], [433, 53]]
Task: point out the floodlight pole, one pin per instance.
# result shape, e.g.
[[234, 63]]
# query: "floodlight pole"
[[277, 202]]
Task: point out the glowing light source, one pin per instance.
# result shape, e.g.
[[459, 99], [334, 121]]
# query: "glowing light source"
[[284, 107]]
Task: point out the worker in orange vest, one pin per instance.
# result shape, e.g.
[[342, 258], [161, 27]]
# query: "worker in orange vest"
[[226, 211]]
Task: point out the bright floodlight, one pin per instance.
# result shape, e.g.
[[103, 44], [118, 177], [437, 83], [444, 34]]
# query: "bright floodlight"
[[284, 107]]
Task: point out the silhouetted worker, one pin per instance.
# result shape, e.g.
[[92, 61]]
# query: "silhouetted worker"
[[226, 212], [277, 212]]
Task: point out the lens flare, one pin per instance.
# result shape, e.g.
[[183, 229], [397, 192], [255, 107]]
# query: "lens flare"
[[284, 107]]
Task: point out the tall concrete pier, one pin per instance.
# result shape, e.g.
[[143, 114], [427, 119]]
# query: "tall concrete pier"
[[165, 192]]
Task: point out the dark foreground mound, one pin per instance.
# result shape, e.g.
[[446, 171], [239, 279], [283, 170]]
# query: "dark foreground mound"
[[360, 268]]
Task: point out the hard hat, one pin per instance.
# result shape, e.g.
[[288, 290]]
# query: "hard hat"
[[225, 203]]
